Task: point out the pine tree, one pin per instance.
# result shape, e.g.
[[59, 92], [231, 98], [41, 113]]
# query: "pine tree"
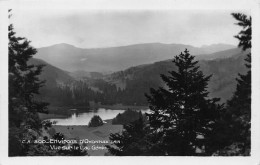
[[243, 90], [183, 115], [132, 141], [95, 121], [239, 106], [24, 84]]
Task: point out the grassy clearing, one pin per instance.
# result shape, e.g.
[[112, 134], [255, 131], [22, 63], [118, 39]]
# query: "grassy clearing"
[[90, 133]]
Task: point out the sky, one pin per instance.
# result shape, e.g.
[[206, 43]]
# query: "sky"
[[110, 28]]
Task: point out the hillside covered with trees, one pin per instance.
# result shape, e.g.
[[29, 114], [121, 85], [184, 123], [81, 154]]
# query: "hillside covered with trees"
[[184, 121], [198, 105], [128, 87]]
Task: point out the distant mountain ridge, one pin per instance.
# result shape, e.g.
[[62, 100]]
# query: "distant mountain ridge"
[[129, 85], [71, 58], [235, 53], [51, 73], [216, 47], [224, 71]]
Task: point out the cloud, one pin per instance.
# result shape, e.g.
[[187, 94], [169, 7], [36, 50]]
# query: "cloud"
[[102, 28], [83, 59]]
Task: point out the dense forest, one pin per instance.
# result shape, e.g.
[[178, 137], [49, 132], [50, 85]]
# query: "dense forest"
[[184, 121], [128, 87], [25, 126], [187, 118]]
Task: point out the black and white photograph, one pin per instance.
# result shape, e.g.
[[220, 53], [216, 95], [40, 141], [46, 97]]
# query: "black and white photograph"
[[146, 82]]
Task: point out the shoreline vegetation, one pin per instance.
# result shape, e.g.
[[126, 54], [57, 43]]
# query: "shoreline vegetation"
[[86, 132], [184, 118], [81, 132], [64, 112]]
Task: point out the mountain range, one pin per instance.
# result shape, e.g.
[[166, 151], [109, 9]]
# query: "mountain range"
[[133, 82], [107, 60]]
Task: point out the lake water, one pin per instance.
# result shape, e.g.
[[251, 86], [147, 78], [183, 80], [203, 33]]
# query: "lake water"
[[84, 117]]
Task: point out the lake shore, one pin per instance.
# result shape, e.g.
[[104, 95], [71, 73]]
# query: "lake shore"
[[65, 112], [88, 134], [123, 107], [61, 109], [85, 133], [43, 116]]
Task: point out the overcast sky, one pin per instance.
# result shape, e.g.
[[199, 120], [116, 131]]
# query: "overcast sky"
[[106, 28]]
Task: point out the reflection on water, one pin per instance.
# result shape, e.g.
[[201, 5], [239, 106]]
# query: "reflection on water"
[[85, 117]]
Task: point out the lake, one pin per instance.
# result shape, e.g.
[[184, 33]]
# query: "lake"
[[83, 118]]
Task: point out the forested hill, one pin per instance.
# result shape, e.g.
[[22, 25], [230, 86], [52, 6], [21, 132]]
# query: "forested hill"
[[52, 74], [234, 53], [128, 86], [137, 80], [71, 58]]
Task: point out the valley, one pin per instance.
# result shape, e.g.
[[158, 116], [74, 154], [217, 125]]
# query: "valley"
[[129, 81], [112, 59], [124, 88]]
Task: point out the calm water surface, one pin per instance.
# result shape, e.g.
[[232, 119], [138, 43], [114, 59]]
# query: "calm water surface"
[[83, 118]]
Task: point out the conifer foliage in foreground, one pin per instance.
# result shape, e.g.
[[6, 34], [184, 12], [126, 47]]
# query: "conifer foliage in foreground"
[[25, 125], [24, 84], [182, 116], [238, 114]]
